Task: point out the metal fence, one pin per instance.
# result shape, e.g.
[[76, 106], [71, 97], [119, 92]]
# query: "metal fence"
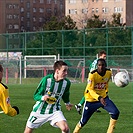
[[69, 44]]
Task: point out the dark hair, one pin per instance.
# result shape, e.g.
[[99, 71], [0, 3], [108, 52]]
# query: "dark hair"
[[59, 64], [102, 61], [1, 68], [101, 53]]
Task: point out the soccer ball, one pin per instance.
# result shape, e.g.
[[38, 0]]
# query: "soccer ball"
[[121, 79]]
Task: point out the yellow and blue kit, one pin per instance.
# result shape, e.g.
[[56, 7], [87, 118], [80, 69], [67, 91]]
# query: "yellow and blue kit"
[[97, 85], [5, 101], [96, 88]]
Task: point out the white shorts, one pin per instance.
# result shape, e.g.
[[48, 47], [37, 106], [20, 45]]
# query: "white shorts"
[[36, 119]]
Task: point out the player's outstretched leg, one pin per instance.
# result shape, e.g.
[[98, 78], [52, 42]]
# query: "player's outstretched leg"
[[111, 125]]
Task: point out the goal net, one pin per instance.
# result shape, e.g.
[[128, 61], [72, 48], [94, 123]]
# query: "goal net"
[[39, 66], [33, 64], [76, 71]]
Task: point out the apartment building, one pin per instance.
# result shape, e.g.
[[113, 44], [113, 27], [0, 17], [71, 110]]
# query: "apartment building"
[[81, 10], [78, 10], [26, 16], [9, 16], [34, 13]]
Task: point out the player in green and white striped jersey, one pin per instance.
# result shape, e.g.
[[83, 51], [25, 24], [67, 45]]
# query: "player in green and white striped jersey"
[[50, 91], [93, 66]]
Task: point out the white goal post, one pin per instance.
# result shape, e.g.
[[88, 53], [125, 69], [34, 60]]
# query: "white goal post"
[[38, 62]]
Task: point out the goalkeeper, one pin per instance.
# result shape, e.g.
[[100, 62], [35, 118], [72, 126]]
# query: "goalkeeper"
[[50, 91], [5, 100], [93, 66]]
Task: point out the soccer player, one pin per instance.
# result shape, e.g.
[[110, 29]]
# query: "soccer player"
[[93, 66], [96, 96], [55, 86], [5, 100]]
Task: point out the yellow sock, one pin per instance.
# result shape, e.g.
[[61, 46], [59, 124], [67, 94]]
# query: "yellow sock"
[[111, 125], [77, 128]]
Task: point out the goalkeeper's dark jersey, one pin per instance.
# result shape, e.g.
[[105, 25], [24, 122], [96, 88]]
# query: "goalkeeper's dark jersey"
[[97, 85], [48, 86], [5, 101]]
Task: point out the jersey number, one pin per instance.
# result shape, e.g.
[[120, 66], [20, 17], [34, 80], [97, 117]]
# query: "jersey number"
[[33, 118]]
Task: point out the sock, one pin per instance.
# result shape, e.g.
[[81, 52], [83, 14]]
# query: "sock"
[[77, 128], [111, 125], [79, 104]]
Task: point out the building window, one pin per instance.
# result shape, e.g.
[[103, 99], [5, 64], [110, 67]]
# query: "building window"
[[72, 1], [92, 0], [15, 16], [28, 24], [34, 1], [55, 11], [22, 9], [15, 6], [121, 20], [22, 28], [9, 16], [34, 9], [28, 15], [41, 10], [72, 11], [85, 11], [34, 28], [84, 1], [48, 10], [16, 26], [41, 1], [10, 26], [28, 4], [117, 0], [34, 19], [55, 1], [118, 9], [21, 1], [40, 19], [92, 10], [22, 18], [96, 10], [105, 10], [48, 1], [10, 6]]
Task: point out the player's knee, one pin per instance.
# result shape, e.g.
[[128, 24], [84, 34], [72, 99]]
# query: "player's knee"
[[115, 115], [65, 129]]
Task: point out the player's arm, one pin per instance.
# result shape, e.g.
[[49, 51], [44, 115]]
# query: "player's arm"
[[90, 87], [5, 104], [39, 93], [66, 96]]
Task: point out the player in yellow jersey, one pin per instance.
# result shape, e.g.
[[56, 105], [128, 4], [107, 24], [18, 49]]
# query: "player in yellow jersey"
[[96, 96], [5, 100]]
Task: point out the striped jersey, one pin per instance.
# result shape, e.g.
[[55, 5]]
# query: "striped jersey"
[[97, 85], [93, 66], [57, 89], [5, 101]]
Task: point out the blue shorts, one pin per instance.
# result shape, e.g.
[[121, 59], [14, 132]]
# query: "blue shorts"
[[90, 107]]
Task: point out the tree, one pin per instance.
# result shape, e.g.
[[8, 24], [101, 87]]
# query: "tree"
[[54, 23], [95, 22]]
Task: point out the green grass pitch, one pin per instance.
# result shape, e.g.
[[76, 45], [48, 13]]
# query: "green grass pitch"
[[22, 96]]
